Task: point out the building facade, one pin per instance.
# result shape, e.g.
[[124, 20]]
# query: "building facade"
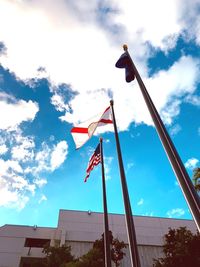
[[19, 245]]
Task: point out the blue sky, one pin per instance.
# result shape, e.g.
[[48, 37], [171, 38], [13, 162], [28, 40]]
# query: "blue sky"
[[57, 69]]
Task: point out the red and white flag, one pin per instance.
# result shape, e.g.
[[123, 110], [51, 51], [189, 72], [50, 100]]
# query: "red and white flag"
[[94, 161], [82, 132]]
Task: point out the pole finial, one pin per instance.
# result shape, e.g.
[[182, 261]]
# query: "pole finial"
[[111, 102], [101, 139], [125, 47]]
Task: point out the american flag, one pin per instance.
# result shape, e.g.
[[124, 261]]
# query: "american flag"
[[94, 161]]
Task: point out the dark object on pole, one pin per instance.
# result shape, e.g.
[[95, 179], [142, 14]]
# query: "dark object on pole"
[[124, 62], [186, 185], [107, 251], [135, 260]]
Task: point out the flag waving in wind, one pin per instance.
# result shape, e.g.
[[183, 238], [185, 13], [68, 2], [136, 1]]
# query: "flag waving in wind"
[[125, 62], [82, 132], [94, 161]]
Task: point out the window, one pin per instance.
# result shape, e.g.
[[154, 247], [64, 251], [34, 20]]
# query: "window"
[[36, 242]]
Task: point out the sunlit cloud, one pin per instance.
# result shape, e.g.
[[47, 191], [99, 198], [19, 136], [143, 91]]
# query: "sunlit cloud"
[[76, 49], [3, 149], [140, 202], [68, 42], [193, 99], [22, 174], [175, 129], [191, 163], [107, 167], [17, 111], [42, 199], [58, 155], [175, 213], [130, 165]]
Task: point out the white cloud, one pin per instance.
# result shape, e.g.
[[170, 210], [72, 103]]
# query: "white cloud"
[[189, 18], [42, 154], [179, 79], [76, 49], [7, 196], [166, 87], [175, 213], [142, 16], [175, 129], [43, 198], [24, 150], [8, 165], [58, 101], [20, 174], [48, 158], [20, 184], [12, 198], [140, 202], [58, 155], [193, 99], [14, 187], [130, 165], [3, 149], [17, 111], [107, 164], [191, 163], [42, 160], [40, 182]]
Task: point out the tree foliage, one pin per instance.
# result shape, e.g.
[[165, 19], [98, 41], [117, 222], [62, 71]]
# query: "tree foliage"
[[196, 179], [181, 249], [95, 256], [117, 247], [117, 252], [57, 256]]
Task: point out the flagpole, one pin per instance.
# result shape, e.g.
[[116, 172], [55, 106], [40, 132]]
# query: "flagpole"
[[107, 252], [183, 178], [135, 260]]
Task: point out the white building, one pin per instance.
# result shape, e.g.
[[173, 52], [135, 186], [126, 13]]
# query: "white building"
[[19, 245]]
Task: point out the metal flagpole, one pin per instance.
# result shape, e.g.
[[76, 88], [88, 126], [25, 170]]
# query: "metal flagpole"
[[106, 227], [135, 260], [186, 185]]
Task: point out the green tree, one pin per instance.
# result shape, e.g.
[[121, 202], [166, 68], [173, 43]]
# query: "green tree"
[[117, 247], [117, 252], [91, 259], [95, 256], [196, 179], [57, 256], [181, 249]]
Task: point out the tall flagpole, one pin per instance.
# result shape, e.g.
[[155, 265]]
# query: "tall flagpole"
[[183, 178], [135, 260], [107, 252]]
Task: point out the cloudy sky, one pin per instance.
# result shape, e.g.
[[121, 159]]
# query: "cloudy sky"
[[57, 69]]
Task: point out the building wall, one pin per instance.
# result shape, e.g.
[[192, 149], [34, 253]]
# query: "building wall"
[[12, 240], [80, 229], [77, 226], [88, 226]]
